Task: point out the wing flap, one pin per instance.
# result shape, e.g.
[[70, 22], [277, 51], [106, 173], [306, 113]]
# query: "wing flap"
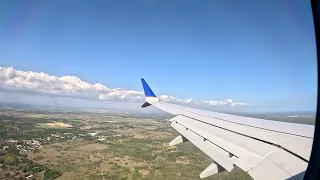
[[300, 146], [266, 170], [271, 137], [288, 162], [275, 160], [279, 165], [214, 152], [245, 159], [247, 143]]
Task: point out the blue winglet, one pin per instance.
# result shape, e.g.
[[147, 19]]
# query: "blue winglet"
[[147, 91]]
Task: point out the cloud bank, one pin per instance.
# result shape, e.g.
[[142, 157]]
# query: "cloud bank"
[[71, 86]]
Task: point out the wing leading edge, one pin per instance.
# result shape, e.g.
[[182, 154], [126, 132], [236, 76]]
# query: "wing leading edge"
[[264, 149]]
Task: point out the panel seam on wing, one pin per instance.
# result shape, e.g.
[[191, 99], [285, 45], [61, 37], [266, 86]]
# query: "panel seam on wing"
[[241, 153], [276, 145], [240, 123]]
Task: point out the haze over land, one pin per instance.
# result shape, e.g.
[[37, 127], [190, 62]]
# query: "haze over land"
[[43, 89]]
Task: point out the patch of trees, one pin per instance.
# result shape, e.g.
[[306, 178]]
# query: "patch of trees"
[[51, 174]]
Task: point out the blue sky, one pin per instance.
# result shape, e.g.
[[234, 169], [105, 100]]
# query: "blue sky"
[[262, 53]]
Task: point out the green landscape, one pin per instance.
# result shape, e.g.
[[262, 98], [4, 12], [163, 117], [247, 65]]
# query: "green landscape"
[[54, 144]]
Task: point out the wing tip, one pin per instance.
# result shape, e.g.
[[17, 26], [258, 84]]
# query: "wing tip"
[[147, 90]]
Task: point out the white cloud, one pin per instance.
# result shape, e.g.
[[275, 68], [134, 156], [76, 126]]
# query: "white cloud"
[[71, 86], [226, 102]]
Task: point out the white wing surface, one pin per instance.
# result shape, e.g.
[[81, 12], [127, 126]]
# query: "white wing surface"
[[264, 149]]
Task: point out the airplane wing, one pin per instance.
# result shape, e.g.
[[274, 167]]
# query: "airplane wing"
[[264, 149]]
